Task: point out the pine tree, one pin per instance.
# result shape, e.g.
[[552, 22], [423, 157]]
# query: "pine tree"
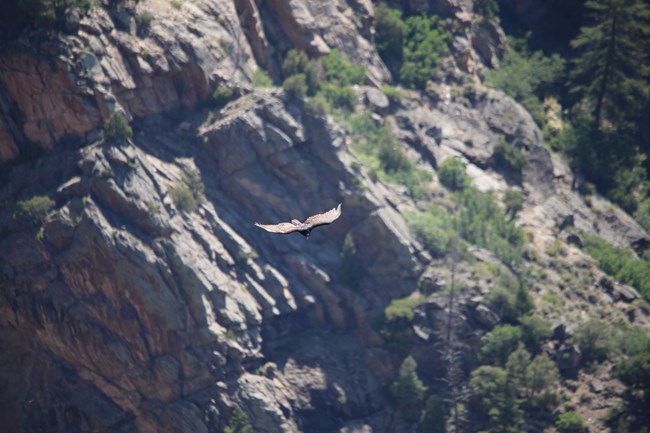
[[408, 391], [612, 66]]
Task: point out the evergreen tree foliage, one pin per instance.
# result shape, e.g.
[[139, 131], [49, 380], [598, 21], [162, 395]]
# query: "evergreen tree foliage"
[[535, 330], [408, 390], [425, 45], [528, 77], [541, 376], [390, 30], [611, 67], [595, 340], [510, 157], [239, 422], [497, 393], [506, 393], [635, 372], [296, 86], [501, 342], [116, 128], [298, 63], [434, 417], [452, 174]]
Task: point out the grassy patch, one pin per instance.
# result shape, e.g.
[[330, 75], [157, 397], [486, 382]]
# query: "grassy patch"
[[403, 308]]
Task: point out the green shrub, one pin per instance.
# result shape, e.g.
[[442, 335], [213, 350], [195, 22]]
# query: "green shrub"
[[350, 264], [189, 192], [535, 331], [513, 199], [261, 78], [501, 342], [296, 63], [595, 340], [222, 95], [482, 222], [176, 4], [633, 340], [635, 372], [395, 325], [239, 422], [339, 69], [339, 97], [34, 210], [571, 421], [183, 198], [295, 86], [425, 45], [620, 263], [510, 157], [393, 159], [192, 178], [317, 105], [143, 22], [434, 230], [379, 149], [556, 248], [642, 214], [452, 174], [393, 94], [528, 77], [116, 128]]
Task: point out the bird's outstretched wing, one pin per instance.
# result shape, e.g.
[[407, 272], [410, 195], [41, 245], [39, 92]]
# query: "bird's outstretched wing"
[[279, 228], [324, 218]]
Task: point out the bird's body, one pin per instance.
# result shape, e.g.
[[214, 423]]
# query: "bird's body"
[[304, 228]]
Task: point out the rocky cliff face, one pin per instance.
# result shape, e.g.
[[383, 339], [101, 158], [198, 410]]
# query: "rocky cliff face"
[[122, 312]]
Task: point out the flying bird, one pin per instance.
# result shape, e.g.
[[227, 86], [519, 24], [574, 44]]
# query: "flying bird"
[[306, 227]]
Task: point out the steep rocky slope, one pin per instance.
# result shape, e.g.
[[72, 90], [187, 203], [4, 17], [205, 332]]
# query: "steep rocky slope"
[[122, 312]]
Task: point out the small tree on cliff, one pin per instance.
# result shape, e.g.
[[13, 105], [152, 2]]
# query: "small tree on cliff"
[[117, 129], [239, 422], [34, 210], [408, 390]]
